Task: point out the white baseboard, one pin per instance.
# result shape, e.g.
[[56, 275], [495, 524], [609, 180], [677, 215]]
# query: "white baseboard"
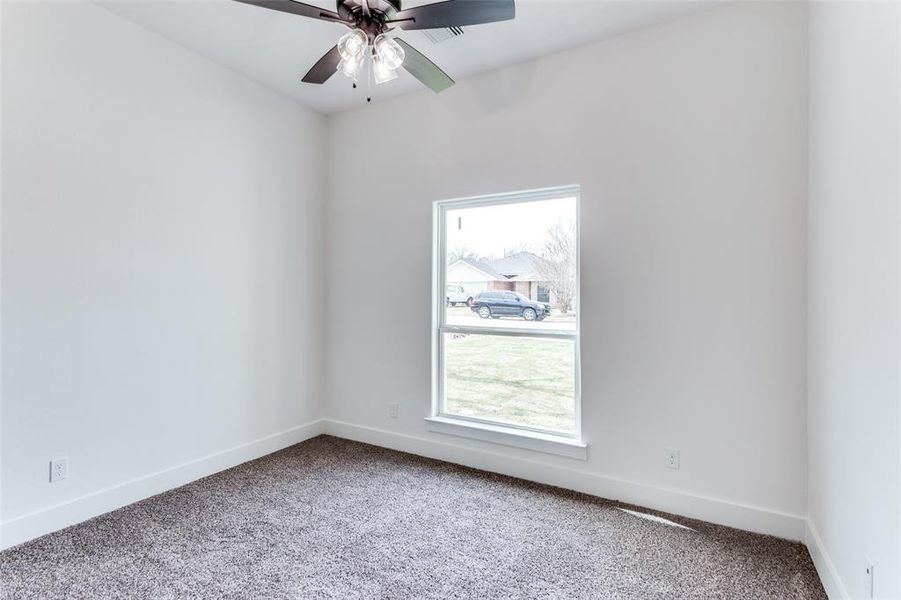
[[53, 518], [832, 583], [713, 510], [750, 518]]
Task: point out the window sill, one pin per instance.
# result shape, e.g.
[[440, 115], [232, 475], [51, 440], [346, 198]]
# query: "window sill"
[[506, 436]]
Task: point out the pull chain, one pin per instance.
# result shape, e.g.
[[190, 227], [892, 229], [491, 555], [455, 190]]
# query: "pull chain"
[[369, 77]]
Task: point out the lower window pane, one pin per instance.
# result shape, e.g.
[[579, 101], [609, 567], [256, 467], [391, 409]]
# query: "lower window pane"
[[514, 380]]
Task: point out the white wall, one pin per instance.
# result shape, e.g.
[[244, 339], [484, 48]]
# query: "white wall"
[[689, 142], [163, 262], [162, 259], [855, 98]]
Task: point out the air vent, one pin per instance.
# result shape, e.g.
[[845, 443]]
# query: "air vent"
[[437, 36]]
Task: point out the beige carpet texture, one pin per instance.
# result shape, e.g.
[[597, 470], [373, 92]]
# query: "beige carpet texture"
[[330, 518]]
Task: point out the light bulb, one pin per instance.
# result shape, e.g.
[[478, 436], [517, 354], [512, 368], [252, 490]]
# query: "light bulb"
[[352, 44], [351, 66], [389, 52], [380, 72]]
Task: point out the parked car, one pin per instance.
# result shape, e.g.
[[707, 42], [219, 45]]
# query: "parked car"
[[456, 294], [494, 305]]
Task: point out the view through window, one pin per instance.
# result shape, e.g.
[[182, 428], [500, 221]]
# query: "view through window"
[[507, 343]]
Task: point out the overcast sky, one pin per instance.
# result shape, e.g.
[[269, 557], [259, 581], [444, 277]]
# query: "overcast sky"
[[492, 230]]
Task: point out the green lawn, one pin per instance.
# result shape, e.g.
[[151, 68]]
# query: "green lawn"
[[525, 381]]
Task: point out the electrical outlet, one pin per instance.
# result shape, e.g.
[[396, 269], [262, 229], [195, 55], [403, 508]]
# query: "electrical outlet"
[[871, 591], [672, 458], [59, 469], [392, 410]]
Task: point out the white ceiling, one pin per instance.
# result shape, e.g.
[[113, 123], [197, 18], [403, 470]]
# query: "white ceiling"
[[276, 49]]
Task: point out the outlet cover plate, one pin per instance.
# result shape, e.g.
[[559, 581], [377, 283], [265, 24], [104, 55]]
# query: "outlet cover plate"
[[59, 469], [672, 458]]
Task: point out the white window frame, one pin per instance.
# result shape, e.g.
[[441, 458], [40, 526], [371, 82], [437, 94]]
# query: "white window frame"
[[530, 438]]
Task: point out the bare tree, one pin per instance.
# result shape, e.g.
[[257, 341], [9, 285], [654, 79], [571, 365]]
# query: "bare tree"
[[517, 249], [558, 269], [462, 251]]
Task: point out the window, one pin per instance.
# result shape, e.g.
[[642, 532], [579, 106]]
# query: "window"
[[507, 360]]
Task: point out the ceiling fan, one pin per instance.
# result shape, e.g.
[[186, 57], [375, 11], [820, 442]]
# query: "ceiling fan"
[[370, 22]]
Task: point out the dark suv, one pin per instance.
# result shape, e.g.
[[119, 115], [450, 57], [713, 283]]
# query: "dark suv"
[[494, 305]]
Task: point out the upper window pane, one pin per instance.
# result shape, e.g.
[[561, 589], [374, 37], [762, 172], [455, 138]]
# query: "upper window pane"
[[514, 265]]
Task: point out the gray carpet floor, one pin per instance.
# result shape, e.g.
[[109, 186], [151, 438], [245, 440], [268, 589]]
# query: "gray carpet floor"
[[330, 518]]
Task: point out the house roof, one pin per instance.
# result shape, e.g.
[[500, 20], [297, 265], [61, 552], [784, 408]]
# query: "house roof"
[[522, 266], [482, 266]]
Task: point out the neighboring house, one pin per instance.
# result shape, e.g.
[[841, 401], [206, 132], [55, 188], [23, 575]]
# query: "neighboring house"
[[474, 275], [517, 272]]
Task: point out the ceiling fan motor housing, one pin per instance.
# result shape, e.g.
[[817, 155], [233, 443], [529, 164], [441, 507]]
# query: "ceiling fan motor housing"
[[375, 23]]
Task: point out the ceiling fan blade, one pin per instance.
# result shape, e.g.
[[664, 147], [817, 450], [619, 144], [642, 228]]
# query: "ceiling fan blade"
[[423, 69], [364, 4], [455, 13], [324, 68], [295, 8]]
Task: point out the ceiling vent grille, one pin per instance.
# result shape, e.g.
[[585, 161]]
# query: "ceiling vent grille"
[[438, 36]]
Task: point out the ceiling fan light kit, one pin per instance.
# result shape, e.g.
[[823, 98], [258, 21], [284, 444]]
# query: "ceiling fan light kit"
[[388, 51], [381, 72], [370, 21], [352, 44], [352, 48]]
